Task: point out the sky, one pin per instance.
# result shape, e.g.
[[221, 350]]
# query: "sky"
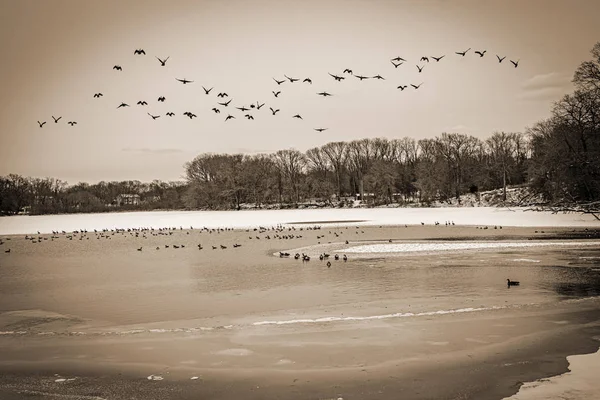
[[56, 54]]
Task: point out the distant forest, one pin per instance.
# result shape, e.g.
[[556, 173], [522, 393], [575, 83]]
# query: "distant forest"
[[558, 158]]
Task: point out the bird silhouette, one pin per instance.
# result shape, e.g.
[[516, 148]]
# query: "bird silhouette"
[[398, 59], [321, 129], [118, 68], [420, 68], [416, 86], [481, 53], [98, 95], [337, 78], [307, 80], [273, 111], [142, 103], [123, 105], [462, 53], [162, 62], [297, 116], [72, 123], [500, 59], [162, 98], [259, 106], [222, 95], [225, 104], [56, 119], [184, 81], [139, 51], [278, 82], [396, 65], [292, 80], [207, 91], [324, 94], [41, 123], [424, 59], [189, 114], [229, 117], [276, 93], [347, 71], [516, 64], [242, 109], [154, 116], [216, 110], [361, 77], [378, 77], [437, 59], [402, 87], [249, 116], [170, 114]]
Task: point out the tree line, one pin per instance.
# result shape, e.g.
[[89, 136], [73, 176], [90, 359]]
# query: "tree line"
[[558, 158]]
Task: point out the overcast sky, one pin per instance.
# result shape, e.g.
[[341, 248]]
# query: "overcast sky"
[[57, 53]]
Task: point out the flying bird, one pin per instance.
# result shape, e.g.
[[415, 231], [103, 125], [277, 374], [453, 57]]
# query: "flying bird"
[[98, 95], [424, 59], [361, 77], [398, 59], [337, 78], [438, 58], [402, 87], [348, 71], [278, 82], [324, 94], [420, 68], [216, 110], [516, 64], [297, 116], [259, 106], [123, 105], [273, 111], [189, 114], [72, 123], [321, 129], [396, 65], [162, 62], [118, 68], [222, 95], [500, 59], [481, 53], [378, 77], [249, 116], [292, 80], [225, 104], [162, 98], [207, 91], [463, 52], [142, 103], [184, 81], [308, 80], [416, 86], [56, 119], [276, 93], [170, 114], [154, 116], [139, 51], [242, 109], [229, 117], [41, 123]]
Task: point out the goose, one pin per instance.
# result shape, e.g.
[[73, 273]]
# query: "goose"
[[162, 62], [328, 264], [345, 258]]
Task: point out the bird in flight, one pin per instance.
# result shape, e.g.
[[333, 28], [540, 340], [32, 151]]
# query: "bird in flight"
[[416, 86], [481, 53], [402, 87], [438, 58], [420, 68], [41, 123], [396, 65], [142, 103], [56, 119], [118, 68], [348, 71], [324, 94], [123, 105], [98, 95], [242, 109], [259, 106], [361, 77], [189, 114], [424, 59], [516, 64], [184, 81], [154, 116], [139, 51], [162, 98], [72, 123], [292, 80], [273, 111], [398, 59], [321, 129], [170, 114], [337, 78], [216, 110], [226, 104], [229, 117], [500, 59], [308, 80], [378, 77], [278, 82], [297, 116], [276, 93], [249, 116], [207, 91], [222, 95], [162, 62], [463, 52]]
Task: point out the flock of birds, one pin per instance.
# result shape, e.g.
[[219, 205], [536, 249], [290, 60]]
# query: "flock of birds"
[[248, 110]]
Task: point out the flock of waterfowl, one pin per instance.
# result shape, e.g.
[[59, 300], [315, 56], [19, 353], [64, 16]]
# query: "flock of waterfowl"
[[249, 110]]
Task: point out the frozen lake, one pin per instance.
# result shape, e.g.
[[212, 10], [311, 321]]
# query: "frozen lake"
[[23, 224]]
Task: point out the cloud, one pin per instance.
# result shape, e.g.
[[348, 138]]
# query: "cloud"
[[547, 81], [457, 128], [550, 94], [153, 151]]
